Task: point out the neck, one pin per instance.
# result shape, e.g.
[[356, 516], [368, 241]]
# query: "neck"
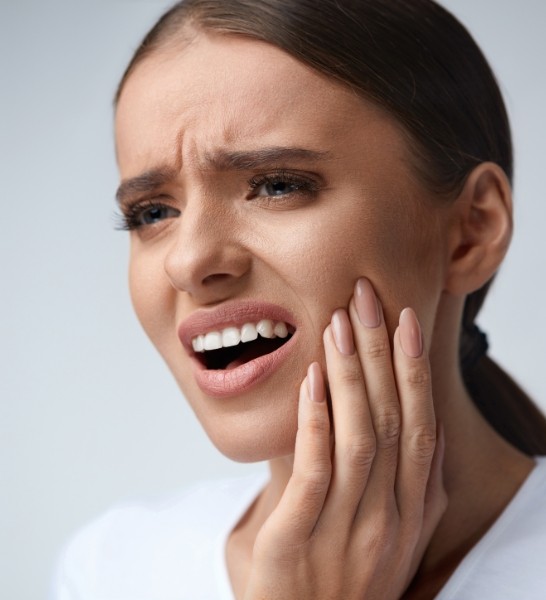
[[482, 473]]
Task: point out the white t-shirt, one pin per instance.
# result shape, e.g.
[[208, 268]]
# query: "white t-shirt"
[[175, 549]]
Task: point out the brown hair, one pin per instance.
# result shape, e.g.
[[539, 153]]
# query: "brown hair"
[[419, 63]]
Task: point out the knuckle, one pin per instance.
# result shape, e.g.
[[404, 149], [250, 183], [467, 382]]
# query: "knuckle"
[[380, 535], [376, 349], [388, 425], [418, 377], [421, 444], [317, 426], [359, 452], [279, 542], [314, 481], [351, 376]]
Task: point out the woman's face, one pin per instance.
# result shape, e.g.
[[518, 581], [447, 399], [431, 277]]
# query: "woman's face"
[[262, 190]]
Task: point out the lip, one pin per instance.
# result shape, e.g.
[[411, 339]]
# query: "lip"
[[223, 383]]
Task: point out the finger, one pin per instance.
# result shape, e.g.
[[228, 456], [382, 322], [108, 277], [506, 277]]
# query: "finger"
[[418, 436], [435, 500], [296, 515], [372, 343], [435, 493], [354, 439]]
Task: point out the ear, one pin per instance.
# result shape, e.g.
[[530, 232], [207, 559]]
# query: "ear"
[[481, 229]]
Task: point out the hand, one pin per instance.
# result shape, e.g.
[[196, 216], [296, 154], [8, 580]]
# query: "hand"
[[354, 520]]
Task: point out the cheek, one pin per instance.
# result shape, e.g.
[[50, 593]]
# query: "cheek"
[[152, 297], [394, 242], [234, 427]]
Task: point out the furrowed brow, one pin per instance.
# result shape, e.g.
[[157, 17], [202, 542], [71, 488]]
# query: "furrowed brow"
[[264, 157], [147, 182]]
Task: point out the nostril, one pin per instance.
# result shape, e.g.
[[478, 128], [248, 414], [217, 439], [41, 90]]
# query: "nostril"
[[216, 277]]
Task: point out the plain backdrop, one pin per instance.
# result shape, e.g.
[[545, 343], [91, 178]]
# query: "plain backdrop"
[[89, 414]]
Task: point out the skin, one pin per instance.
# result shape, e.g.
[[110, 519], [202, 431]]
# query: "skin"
[[368, 215]]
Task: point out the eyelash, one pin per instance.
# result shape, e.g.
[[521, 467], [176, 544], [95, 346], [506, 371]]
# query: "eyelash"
[[303, 185], [131, 217]]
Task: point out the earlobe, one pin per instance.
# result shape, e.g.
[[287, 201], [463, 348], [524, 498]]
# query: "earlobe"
[[481, 229]]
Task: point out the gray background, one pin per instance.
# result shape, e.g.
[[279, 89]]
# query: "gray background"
[[88, 414]]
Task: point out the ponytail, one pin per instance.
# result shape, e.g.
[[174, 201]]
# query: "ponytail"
[[501, 401]]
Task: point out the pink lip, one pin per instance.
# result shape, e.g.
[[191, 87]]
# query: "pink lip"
[[223, 383]]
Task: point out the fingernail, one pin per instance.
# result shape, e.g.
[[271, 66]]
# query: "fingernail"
[[315, 384], [366, 303], [410, 334], [343, 335]]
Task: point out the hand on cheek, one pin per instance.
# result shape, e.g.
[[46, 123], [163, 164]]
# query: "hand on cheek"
[[355, 521]]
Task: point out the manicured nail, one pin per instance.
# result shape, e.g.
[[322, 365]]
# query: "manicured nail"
[[343, 334], [315, 383], [366, 303], [410, 334]]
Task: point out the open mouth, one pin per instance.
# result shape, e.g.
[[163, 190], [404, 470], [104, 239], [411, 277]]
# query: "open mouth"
[[234, 346], [235, 356]]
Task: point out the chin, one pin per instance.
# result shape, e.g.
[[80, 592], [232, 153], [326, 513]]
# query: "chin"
[[252, 439], [255, 426]]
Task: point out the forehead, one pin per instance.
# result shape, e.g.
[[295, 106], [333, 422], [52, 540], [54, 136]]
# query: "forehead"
[[218, 91]]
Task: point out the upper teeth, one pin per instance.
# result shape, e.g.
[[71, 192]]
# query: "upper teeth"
[[231, 336]]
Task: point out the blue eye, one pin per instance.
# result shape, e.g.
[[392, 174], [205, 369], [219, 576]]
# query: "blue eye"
[[154, 214], [277, 188], [145, 214], [279, 184]]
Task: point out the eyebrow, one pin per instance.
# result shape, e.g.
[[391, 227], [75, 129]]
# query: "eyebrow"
[[253, 159], [145, 183], [222, 160]]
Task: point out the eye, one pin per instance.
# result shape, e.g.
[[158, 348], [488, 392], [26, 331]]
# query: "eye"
[[146, 214], [277, 187], [281, 184], [152, 215]]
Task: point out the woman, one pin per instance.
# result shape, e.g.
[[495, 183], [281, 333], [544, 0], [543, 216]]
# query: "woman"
[[318, 198]]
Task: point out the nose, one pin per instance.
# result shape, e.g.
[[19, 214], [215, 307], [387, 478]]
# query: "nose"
[[207, 259]]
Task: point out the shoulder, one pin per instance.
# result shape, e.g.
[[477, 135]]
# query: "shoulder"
[[152, 544], [508, 562]]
